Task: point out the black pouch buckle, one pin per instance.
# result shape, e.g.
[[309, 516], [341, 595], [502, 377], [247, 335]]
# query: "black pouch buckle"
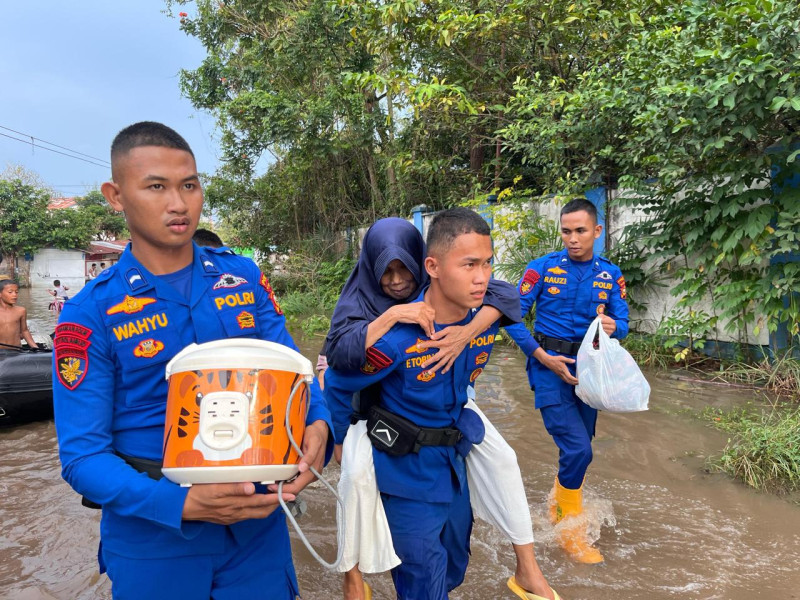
[[391, 433]]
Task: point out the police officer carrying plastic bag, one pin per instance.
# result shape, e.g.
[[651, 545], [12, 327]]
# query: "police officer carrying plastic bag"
[[608, 376]]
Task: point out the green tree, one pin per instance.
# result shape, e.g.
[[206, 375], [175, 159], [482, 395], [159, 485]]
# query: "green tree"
[[107, 224], [24, 222], [26, 225], [695, 115]]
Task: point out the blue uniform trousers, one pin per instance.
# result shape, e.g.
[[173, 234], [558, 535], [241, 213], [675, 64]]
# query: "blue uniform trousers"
[[432, 540], [230, 573], [569, 421]]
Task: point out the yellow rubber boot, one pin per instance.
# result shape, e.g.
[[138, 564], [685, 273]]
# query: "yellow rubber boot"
[[572, 537]]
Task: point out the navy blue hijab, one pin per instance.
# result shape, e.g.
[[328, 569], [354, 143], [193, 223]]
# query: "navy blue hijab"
[[362, 299]]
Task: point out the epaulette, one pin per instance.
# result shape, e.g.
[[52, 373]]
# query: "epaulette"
[[220, 250]]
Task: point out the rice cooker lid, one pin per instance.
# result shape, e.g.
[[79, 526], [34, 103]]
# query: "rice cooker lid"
[[240, 353]]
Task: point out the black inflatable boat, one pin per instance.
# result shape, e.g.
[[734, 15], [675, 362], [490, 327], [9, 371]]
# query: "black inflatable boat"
[[26, 387]]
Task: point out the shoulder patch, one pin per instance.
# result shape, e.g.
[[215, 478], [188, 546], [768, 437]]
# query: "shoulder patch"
[[71, 353], [376, 361], [73, 329], [264, 282], [623, 292], [529, 280]]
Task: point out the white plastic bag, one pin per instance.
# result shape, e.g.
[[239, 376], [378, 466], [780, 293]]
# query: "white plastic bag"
[[608, 377]]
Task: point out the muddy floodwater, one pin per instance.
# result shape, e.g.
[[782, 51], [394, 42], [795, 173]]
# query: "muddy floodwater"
[[669, 529]]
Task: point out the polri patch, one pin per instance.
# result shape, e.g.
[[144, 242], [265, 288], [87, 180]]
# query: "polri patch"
[[376, 361], [415, 349], [73, 329], [246, 320], [71, 354], [623, 292], [130, 305], [474, 375], [264, 282], [529, 280], [148, 348], [554, 290], [229, 281], [426, 375], [482, 358]]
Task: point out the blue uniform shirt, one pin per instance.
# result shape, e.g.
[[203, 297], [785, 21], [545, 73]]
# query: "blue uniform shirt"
[[112, 345], [428, 399], [568, 299]]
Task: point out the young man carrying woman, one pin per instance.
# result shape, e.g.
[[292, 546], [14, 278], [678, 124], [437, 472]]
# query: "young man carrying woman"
[[376, 298]]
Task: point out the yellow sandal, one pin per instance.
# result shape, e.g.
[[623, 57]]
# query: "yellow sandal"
[[524, 594]]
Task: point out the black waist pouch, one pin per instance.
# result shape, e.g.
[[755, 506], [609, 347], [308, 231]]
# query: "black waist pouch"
[[391, 433]]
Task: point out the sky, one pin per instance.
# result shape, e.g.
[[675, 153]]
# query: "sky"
[[75, 73]]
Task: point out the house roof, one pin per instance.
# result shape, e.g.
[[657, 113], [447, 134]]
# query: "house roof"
[[60, 203], [110, 247]]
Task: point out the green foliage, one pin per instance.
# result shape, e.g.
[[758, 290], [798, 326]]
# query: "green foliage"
[[764, 451], [107, 224], [24, 223], [780, 375], [366, 108], [648, 350], [687, 327], [692, 109]]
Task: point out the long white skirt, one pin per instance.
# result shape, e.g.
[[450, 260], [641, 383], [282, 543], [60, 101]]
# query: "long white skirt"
[[496, 492]]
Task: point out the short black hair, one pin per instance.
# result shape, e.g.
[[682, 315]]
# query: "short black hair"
[[147, 133], [448, 224], [4, 283], [204, 237], [56, 282], [577, 205]]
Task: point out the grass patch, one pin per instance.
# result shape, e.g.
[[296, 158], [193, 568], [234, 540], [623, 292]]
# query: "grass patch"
[[309, 311], [648, 351], [764, 448], [781, 375]]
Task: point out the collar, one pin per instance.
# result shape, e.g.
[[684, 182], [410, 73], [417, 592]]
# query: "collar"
[[563, 258], [138, 279]]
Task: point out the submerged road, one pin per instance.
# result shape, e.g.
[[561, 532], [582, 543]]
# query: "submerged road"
[[669, 529]]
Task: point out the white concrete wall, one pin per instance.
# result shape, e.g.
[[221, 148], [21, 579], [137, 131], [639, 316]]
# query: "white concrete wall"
[[660, 303], [66, 265]]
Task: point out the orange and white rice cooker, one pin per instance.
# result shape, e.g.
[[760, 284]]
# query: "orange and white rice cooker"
[[227, 406]]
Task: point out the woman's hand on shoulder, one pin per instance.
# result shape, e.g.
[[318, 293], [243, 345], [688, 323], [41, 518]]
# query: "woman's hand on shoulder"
[[450, 342], [414, 312]]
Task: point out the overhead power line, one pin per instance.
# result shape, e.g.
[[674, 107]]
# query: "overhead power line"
[[32, 142], [102, 160]]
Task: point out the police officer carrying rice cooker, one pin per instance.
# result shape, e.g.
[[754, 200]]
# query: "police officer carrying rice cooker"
[[570, 289]]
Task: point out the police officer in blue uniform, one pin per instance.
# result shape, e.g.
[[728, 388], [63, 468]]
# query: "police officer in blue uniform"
[[570, 289], [112, 343], [420, 431]]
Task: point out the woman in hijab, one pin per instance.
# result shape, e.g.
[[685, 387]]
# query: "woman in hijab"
[[379, 293]]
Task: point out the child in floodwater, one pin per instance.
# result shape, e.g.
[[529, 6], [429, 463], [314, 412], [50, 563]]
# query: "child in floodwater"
[[59, 296], [13, 318]]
